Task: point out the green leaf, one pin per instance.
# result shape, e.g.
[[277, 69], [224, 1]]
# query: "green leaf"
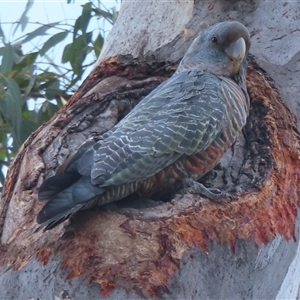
[[76, 52], [54, 40], [98, 44], [2, 153], [24, 19], [104, 14], [27, 127], [28, 89], [25, 77], [77, 27], [46, 76], [39, 32], [86, 16], [2, 32], [52, 109], [46, 84], [82, 21], [13, 91], [2, 178], [26, 60], [26, 114], [13, 101], [7, 58], [53, 90], [2, 51], [46, 111], [67, 54]]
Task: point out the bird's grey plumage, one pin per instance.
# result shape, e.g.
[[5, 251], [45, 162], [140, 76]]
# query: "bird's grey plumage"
[[171, 134]]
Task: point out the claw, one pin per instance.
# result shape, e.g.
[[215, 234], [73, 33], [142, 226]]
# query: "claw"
[[212, 194]]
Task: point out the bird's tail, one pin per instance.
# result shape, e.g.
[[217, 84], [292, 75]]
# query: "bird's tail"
[[65, 213], [53, 185], [66, 194]]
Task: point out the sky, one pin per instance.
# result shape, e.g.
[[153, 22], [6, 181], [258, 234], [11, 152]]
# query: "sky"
[[44, 11]]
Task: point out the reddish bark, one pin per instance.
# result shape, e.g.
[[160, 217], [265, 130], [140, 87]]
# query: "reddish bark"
[[142, 249]]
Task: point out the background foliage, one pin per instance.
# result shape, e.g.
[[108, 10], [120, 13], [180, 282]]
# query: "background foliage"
[[35, 77]]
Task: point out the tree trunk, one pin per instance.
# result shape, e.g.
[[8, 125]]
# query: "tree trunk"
[[188, 247]]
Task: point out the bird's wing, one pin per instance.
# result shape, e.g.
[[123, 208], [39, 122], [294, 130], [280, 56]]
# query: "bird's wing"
[[183, 117]]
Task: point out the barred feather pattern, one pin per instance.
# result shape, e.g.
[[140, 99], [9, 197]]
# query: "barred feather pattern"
[[180, 130]]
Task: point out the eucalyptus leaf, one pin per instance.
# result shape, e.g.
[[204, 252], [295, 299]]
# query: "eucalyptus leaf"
[[28, 89], [67, 54], [13, 101], [54, 40], [2, 35], [86, 16], [46, 76], [39, 32], [26, 60], [35, 76], [98, 44], [2, 178], [77, 27], [104, 14], [27, 127], [2, 51], [53, 90], [24, 19], [3, 110], [76, 52], [2, 154], [46, 111], [7, 58]]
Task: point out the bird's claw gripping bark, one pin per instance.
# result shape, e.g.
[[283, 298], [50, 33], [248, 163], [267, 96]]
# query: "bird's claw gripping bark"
[[213, 194]]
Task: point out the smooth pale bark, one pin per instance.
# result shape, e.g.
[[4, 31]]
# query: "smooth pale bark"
[[183, 250]]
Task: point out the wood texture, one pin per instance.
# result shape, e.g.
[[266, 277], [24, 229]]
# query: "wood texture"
[[184, 247]]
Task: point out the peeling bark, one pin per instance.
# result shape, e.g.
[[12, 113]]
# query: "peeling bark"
[[182, 247]]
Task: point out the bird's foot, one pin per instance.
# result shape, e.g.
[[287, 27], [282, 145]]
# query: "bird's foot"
[[213, 194]]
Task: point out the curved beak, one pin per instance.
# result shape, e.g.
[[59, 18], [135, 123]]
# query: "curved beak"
[[237, 50]]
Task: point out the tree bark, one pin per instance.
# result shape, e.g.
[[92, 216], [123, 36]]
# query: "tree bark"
[[188, 247]]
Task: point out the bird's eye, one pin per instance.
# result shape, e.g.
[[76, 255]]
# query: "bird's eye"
[[214, 39]]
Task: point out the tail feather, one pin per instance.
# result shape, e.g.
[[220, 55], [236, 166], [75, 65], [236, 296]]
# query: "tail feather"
[[66, 175], [54, 185], [64, 203], [57, 219]]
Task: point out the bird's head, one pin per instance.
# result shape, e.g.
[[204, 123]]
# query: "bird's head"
[[220, 49]]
